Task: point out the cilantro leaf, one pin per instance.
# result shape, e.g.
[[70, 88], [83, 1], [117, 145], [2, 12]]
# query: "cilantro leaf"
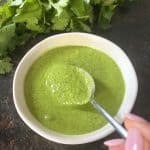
[[84, 27], [5, 65], [6, 12], [16, 2], [6, 35], [60, 22], [78, 7], [95, 2], [81, 9], [30, 12], [76, 25], [58, 6], [107, 10]]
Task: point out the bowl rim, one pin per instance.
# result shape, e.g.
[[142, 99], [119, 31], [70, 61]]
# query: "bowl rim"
[[71, 139]]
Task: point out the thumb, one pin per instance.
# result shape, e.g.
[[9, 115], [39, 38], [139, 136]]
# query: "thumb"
[[135, 140], [133, 121]]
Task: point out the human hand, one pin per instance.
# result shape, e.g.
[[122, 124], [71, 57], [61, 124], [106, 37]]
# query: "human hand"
[[138, 135]]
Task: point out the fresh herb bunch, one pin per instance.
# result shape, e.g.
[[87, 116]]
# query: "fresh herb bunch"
[[21, 20]]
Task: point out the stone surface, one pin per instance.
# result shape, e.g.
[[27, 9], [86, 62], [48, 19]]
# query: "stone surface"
[[131, 31]]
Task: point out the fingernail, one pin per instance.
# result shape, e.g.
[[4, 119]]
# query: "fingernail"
[[114, 142], [134, 140], [133, 117]]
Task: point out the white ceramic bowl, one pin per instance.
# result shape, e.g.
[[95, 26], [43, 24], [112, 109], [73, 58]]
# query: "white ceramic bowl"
[[83, 39]]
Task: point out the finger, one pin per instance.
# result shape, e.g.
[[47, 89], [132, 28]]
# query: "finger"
[[146, 145], [116, 144], [133, 121], [134, 141]]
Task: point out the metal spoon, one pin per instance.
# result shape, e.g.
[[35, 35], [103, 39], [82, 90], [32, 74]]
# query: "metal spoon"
[[91, 89], [119, 128]]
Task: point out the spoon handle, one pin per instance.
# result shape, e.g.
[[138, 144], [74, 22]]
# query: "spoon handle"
[[120, 129]]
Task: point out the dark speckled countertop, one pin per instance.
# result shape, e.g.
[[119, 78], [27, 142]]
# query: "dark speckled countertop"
[[131, 31]]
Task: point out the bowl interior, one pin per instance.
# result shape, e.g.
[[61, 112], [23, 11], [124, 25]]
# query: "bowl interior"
[[81, 39]]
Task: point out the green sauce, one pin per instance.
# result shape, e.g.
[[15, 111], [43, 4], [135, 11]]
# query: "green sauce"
[[69, 85], [69, 119]]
